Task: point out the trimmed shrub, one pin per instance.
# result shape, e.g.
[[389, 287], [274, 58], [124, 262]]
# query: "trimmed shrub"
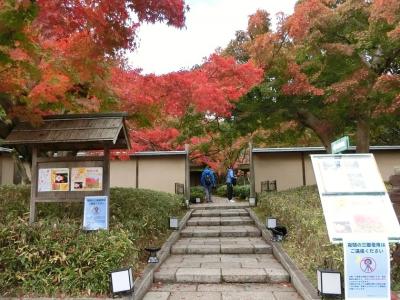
[[240, 191], [54, 257], [221, 191], [196, 192]]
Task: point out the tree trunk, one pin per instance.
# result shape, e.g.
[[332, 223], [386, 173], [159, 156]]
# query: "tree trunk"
[[362, 136], [322, 128], [20, 168]]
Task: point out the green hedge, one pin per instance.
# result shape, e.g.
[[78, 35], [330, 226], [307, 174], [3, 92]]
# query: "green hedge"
[[55, 257], [307, 241], [240, 191], [196, 192]]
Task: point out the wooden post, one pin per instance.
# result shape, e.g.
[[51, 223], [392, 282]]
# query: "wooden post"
[[137, 171], [252, 175], [187, 173], [32, 206], [106, 180], [303, 168]]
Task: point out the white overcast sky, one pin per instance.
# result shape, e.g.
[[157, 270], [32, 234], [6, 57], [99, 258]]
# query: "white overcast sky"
[[209, 24]]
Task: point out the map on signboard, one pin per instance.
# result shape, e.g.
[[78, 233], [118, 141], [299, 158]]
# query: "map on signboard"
[[348, 174], [53, 180], [353, 197], [87, 179]]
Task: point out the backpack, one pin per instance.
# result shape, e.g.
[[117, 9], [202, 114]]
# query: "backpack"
[[207, 179], [233, 180]]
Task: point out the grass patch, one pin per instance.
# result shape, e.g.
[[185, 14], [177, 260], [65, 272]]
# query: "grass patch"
[[307, 242], [56, 258]]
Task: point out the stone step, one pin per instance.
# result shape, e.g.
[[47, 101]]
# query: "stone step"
[[226, 291], [220, 231], [222, 245], [227, 205], [219, 213], [238, 268], [220, 221]]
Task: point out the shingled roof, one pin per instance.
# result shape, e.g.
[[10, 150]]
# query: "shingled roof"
[[70, 132]]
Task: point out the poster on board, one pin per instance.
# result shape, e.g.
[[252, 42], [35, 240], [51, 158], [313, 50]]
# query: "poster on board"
[[53, 180], [87, 179], [95, 213], [367, 268], [353, 197], [349, 173]]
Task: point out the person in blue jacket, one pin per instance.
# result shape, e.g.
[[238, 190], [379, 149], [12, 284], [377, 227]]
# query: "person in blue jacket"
[[208, 181], [230, 182]]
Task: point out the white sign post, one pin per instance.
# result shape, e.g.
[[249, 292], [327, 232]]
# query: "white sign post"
[[357, 210]]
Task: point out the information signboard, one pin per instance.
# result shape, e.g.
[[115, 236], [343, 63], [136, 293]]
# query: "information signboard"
[[340, 145], [95, 213], [367, 268], [353, 197]]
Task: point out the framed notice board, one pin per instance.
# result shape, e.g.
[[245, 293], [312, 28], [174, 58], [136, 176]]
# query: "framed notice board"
[[353, 197]]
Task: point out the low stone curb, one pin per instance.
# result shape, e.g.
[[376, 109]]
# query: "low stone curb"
[[297, 278], [143, 284]]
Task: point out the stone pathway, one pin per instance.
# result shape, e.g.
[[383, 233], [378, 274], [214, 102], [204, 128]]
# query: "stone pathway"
[[221, 255]]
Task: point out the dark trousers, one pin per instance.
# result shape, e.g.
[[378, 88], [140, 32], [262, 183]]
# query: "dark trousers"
[[229, 190]]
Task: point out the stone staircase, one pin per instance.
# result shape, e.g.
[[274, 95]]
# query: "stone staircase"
[[221, 255]]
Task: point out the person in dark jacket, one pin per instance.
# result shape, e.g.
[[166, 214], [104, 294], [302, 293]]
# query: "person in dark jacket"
[[208, 181]]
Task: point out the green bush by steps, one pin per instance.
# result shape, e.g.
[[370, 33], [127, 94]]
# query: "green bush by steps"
[[54, 257], [307, 242], [240, 191], [196, 192]]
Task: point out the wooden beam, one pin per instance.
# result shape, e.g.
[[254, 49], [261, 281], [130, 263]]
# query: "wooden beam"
[[137, 172], [106, 180], [303, 168], [187, 173], [252, 175]]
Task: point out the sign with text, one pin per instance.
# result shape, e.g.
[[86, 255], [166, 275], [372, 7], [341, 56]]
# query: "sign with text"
[[354, 197], [347, 174], [340, 145], [367, 268], [95, 213]]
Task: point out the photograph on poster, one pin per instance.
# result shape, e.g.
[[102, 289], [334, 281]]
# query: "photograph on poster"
[[87, 179], [359, 214], [53, 180]]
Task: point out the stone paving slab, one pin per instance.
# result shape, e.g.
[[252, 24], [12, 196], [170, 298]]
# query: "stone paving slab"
[[195, 295], [222, 268], [219, 213], [220, 221], [240, 275], [226, 291], [198, 275], [217, 245], [227, 205], [226, 287], [221, 231]]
